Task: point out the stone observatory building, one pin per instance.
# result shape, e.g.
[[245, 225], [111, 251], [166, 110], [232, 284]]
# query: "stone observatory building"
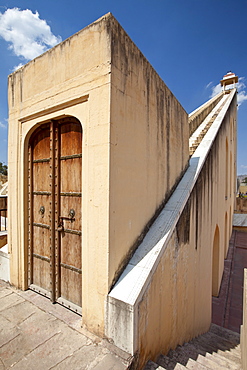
[[120, 204]]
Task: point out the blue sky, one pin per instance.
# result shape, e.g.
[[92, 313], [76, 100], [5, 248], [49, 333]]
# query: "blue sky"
[[190, 43]]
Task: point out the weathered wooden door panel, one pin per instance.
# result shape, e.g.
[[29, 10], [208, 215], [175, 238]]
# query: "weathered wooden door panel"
[[71, 136], [68, 202], [39, 194], [71, 175], [70, 278], [41, 215], [41, 259], [55, 210], [70, 205], [41, 143]]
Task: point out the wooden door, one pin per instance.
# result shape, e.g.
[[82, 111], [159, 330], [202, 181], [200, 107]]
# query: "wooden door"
[[54, 181]]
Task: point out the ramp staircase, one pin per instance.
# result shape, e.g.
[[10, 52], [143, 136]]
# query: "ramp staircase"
[[219, 348], [200, 132]]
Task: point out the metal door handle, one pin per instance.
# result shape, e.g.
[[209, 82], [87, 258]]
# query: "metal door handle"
[[62, 218]]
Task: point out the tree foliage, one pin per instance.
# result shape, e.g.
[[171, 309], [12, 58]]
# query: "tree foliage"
[[245, 180], [3, 169]]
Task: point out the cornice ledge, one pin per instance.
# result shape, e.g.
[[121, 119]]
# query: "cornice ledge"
[[55, 108]]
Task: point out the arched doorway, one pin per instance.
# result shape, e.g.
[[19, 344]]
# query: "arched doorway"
[[226, 171], [226, 236], [215, 263], [230, 223], [54, 211], [231, 172]]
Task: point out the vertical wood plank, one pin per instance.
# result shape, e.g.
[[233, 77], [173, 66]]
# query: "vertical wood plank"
[[30, 217], [52, 210], [70, 179], [57, 211]]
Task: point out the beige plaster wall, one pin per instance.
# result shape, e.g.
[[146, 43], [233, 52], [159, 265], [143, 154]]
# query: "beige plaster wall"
[[149, 147], [71, 79], [177, 303], [135, 148]]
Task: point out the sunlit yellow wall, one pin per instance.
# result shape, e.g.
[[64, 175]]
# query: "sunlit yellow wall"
[[134, 150], [149, 146], [177, 303], [71, 79]]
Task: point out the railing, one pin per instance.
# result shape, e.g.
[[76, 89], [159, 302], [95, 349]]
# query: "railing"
[[196, 117], [3, 219]]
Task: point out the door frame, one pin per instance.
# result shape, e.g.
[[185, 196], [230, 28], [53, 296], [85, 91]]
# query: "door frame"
[[28, 205]]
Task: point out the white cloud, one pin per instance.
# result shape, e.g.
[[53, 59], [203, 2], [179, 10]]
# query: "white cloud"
[[242, 95], [17, 67], [209, 84], [215, 90], [2, 125], [28, 35], [243, 166]]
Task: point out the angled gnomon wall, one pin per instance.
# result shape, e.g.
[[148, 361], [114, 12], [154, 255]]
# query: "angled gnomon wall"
[[164, 296]]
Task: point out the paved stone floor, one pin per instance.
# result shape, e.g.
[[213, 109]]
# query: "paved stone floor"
[[35, 334], [227, 309]]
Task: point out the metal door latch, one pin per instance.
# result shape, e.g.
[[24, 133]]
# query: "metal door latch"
[[71, 218]]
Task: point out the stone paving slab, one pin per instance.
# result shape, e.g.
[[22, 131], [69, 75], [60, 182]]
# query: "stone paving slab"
[[97, 356], [24, 311], [10, 300], [4, 292], [36, 334], [52, 351], [109, 363], [8, 331], [70, 318]]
